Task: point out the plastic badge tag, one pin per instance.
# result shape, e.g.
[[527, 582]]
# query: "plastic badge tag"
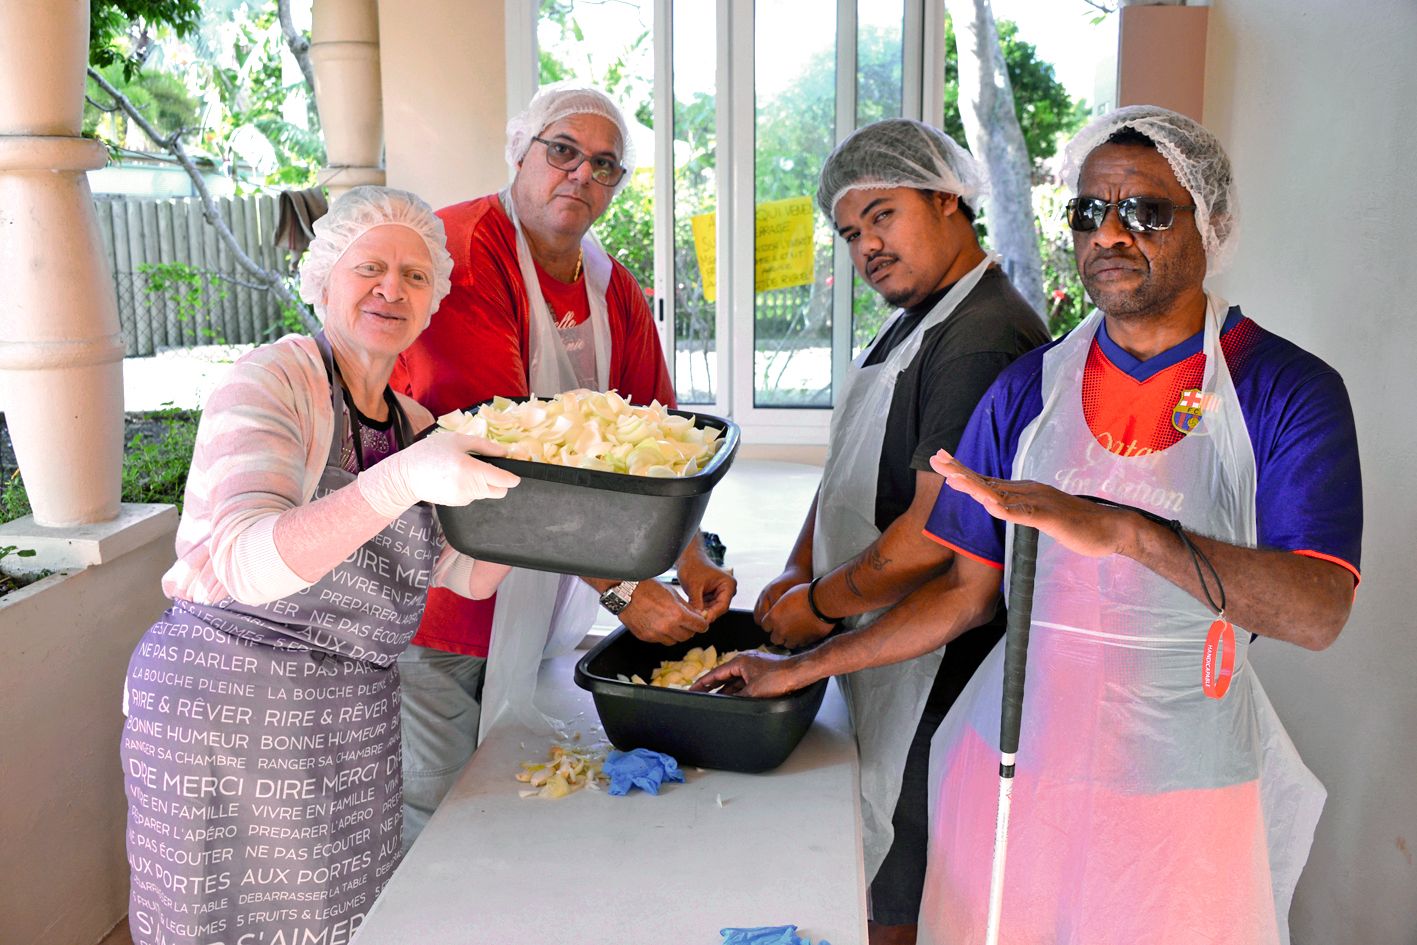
[[1218, 664]]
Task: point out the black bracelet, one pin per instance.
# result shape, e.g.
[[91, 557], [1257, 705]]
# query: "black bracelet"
[[812, 603], [1197, 556]]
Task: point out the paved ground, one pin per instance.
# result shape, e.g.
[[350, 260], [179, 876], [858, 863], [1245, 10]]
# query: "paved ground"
[[182, 377]]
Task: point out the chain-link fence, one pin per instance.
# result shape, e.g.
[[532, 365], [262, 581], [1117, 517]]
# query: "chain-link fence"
[[172, 307], [178, 285]]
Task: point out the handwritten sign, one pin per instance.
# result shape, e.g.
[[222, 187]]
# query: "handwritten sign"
[[783, 249]]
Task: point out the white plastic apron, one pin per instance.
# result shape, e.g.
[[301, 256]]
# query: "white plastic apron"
[[539, 614], [886, 701], [1143, 810]]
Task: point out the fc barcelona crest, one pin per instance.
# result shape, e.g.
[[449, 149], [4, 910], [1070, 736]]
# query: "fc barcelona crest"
[[1187, 414]]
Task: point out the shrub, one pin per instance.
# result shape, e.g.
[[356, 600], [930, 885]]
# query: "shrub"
[[156, 458]]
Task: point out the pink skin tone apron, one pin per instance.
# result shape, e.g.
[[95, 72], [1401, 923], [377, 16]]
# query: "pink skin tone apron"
[[1143, 809]]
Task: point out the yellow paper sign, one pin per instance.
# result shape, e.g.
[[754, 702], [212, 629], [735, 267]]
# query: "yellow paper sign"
[[783, 255], [705, 227]]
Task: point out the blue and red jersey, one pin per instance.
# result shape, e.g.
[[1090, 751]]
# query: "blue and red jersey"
[[1309, 497]]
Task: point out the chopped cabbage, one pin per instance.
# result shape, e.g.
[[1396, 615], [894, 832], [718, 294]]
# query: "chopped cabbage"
[[591, 430]]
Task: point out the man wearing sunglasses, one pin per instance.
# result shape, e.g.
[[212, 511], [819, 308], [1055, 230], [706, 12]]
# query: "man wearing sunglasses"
[[1157, 797], [537, 306]]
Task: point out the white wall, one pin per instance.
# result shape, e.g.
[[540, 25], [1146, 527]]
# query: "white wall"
[[63, 869], [444, 65], [1315, 102]]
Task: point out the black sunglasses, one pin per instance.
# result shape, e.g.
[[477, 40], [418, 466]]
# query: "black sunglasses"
[[564, 157], [1138, 214]]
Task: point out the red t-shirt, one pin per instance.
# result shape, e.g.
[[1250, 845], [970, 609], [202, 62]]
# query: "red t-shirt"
[[476, 347]]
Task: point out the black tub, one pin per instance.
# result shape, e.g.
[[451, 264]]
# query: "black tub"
[[589, 522], [733, 733]]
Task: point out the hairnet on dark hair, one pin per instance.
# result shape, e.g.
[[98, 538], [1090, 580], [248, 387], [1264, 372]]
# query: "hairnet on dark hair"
[[1196, 158], [900, 152]]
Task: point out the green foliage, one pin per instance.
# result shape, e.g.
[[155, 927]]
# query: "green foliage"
[[13, 582], [236, 62], [248, 79], [627, 226], [154, 464], [1045, 109], [14, 501], [1062, 288], [192, 289], [120, 30], [291, 322], [162, 97], [155, 469]]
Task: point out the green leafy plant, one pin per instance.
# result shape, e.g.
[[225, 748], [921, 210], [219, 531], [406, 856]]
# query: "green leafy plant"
[[155, 463], [291, 322], [120, 31], [155, 467], [13, 582], [14, 501], [192, 289]]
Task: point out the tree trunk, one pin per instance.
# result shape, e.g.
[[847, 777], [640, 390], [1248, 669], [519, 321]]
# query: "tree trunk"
[[986, 106], [299, 48], [268, 279], [299, 45]]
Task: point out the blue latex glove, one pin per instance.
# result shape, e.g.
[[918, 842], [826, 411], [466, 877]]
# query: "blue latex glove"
[[766, 935], [640, 768]]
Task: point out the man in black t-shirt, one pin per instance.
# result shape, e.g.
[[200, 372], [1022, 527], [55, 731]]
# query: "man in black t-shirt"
[[899, 193]]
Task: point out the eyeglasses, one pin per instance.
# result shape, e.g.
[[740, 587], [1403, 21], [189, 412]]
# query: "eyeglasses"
[[1138, 214], [563, 157]]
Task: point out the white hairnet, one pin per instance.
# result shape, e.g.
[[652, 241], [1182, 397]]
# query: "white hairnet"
[[550, 104], [1196, 158], [900, 152], [356, 212]]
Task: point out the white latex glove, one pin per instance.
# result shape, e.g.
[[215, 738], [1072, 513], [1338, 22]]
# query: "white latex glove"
[[436, 469]]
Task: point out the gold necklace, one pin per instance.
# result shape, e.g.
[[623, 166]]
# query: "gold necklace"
[[580, 254]]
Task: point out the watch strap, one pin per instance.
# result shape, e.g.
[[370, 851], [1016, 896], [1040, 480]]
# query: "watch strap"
[[617, 598]]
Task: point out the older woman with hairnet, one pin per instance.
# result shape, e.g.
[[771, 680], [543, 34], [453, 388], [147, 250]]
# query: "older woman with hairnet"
[[261, 750]]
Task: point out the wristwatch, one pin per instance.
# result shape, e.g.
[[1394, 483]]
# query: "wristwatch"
[[618, 597]]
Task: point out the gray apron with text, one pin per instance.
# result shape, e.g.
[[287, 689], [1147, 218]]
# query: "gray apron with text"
[[261, 755]]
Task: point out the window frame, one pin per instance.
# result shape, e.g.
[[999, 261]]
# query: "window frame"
[[922, 71]]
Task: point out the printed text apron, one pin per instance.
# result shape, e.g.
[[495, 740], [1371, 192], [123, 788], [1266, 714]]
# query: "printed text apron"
[[1143, 810], [886, 701], [261, 752]]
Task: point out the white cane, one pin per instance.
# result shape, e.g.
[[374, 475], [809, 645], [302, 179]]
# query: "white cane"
[[1024, 562]]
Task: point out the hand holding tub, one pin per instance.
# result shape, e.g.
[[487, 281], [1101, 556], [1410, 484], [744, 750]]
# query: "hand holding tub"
[[438, 469]]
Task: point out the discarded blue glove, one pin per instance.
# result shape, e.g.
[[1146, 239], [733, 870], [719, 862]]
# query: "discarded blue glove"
[[766, 935], [640, 768]]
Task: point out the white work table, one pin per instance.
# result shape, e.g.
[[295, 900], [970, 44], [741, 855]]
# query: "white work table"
[[783, 847]]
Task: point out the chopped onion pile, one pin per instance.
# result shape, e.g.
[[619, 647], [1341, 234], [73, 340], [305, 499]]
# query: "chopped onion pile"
[[681, 674], [591, 430], [569, 768]]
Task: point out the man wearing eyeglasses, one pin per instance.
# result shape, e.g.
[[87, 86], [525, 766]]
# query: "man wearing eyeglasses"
[[537, 306], [1157, 797]]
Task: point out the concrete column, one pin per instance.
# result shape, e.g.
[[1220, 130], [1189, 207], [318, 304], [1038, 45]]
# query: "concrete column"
[[61, 354], [1161, 57], [445, 108], [344, 52]]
